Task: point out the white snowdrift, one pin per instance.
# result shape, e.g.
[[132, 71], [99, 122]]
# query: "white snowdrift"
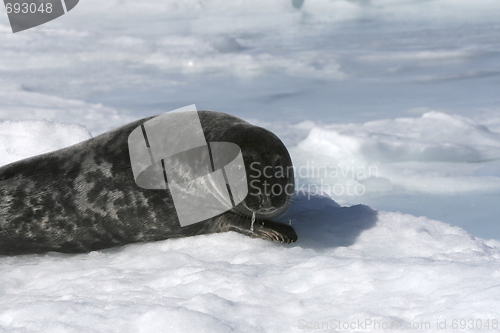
[[436, 153], [23, 139], [434, 137]]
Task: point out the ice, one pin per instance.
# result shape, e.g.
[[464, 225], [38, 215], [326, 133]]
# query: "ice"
[[435, 153], [439, 165], [342, 61], [18, 104]]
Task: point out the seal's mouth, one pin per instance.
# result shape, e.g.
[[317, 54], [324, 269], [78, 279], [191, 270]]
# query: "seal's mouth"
[[263, 213]]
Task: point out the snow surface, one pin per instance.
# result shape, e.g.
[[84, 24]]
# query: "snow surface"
[[23, 139], [350, 264], [397, 269], [435, 153], [397, 97]]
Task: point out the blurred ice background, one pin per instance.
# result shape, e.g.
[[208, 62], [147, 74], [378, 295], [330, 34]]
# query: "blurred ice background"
[[397, 97]]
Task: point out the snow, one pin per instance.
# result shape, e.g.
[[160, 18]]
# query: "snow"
[[435, 153], [18, 104], [396, 99], [351, 264], [23, 139]]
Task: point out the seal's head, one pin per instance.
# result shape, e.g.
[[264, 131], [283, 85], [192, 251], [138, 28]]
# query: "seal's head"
[[269, 172]]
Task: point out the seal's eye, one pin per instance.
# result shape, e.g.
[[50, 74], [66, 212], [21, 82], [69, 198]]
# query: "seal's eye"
[[278, 163]]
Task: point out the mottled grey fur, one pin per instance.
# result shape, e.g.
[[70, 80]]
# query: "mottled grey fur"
[[84, 197]]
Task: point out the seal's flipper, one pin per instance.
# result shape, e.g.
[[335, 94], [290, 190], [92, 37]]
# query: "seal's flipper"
[[270, 230], [275, 231]]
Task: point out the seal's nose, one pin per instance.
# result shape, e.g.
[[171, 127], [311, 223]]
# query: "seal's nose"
[[265, 201]]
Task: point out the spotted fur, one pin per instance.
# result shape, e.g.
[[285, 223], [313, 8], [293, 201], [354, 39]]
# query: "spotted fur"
[[84, 197]]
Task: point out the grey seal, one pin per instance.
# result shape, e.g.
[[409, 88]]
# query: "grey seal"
[[83, 198]]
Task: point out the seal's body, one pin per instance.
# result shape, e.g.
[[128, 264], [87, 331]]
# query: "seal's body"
[[84, 197]]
